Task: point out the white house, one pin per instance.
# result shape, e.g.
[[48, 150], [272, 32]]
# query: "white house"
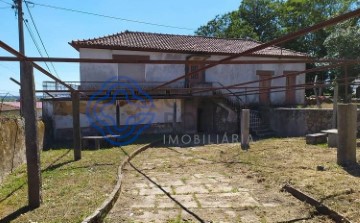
[[165, 57]]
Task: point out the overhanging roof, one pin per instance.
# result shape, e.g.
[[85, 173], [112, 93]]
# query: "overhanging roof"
[[155, 42]]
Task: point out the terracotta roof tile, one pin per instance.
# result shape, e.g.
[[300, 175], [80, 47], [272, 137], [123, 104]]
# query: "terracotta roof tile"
[[142, 41]]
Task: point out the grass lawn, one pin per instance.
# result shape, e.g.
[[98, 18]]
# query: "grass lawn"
[[71, 190], [276, 162]]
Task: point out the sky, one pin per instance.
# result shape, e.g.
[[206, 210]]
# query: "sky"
[[58, 27]]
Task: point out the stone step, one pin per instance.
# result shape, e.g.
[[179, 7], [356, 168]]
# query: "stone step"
[[316, 138]]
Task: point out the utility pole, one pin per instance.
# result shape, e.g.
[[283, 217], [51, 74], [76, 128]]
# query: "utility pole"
[[27, 103], [18, 5]]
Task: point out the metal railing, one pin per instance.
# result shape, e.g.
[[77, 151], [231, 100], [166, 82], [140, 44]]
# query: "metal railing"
[[56, 90], [230, 96]]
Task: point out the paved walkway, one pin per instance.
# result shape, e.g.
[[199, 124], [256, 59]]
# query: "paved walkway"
[[174, 185]]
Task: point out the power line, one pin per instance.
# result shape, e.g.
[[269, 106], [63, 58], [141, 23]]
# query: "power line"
[[8, 3], [107, 16], [38, 34], [34, 41]]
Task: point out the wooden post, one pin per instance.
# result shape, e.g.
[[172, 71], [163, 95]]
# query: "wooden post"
[[31, 136], [76, 124], [335, 100]]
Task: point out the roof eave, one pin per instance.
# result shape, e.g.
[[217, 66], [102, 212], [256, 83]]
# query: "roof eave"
[[74, 45], [79, 46]]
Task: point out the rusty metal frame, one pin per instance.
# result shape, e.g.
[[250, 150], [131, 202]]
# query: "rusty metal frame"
[[277, 41], [322, 68], [210, 64], [38, 67], [132, 61]]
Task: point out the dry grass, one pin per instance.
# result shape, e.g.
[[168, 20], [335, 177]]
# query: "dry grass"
[[276, 162], [71, 190]]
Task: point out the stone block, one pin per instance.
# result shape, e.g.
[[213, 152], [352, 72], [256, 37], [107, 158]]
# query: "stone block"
[[316, 138]]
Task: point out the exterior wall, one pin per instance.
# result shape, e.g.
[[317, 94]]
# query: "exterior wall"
[[230, 74], [291, 122], [58, 116], [12, 144], [153, 72], [192, 116], [225, 74]]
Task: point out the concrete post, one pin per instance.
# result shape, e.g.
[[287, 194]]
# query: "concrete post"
[[347, 128], [245, 125], [174, 118]]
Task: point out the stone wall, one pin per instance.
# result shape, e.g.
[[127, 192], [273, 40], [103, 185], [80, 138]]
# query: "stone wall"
[[291, 122], [12, 144]]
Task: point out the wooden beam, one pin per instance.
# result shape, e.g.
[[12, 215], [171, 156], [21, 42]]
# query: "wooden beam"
[[274, 42], [31, 136]]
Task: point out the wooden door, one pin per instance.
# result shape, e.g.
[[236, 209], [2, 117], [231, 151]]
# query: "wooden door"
[[290, 96], [196, 78], [264, 87]]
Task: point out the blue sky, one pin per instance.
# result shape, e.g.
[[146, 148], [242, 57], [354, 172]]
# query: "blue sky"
[[58, 27]]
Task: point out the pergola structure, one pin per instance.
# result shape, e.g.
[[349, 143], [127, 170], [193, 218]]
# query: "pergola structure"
[[28, 91]]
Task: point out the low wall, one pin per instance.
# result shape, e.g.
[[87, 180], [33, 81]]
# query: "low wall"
[[290, 122], [12, 144]]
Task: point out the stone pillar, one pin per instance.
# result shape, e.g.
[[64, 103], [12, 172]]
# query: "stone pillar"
[[245, 125], [347, 129], [336, 93]]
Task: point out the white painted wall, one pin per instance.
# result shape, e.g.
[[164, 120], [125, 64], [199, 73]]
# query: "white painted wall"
[[225, 74], [106, 114]]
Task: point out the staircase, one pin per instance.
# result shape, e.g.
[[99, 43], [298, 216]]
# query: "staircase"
[[233, 101], [259, 128]]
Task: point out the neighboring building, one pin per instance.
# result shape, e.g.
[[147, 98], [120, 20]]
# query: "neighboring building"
[[208, 113], [13, 109]]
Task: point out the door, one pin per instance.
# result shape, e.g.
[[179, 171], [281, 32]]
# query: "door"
[[290, 97], [264, 87], [196, 78]]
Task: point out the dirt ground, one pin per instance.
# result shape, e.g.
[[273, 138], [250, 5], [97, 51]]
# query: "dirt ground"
[[203, 184]]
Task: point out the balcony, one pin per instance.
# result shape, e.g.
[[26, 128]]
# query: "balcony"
[[56, 90]]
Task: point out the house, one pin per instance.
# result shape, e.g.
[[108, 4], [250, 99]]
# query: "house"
[[13, 109], [151, 59]]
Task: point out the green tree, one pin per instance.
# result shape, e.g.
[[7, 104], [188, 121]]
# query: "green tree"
[[256, 19], [266, 20], [229, 25], [297, 14], [343, 43], [262, 16]]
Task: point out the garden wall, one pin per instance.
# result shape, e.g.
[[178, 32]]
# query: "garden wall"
[[12, 144], [290, 122]]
